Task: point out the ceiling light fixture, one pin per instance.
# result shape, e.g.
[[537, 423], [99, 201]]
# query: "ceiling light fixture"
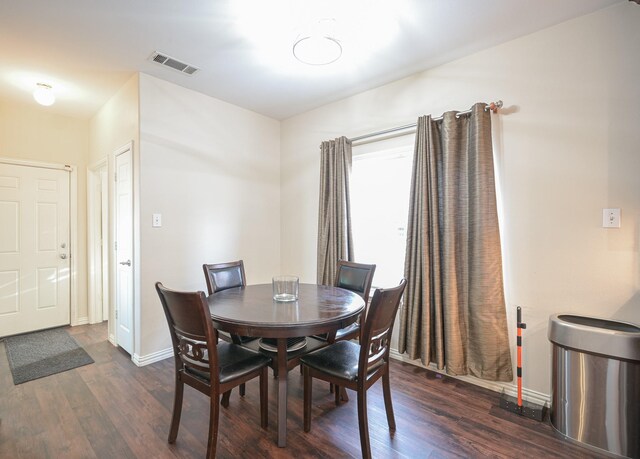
[[318, 46], [44, 94]]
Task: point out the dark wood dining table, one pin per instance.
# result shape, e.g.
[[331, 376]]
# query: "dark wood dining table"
[[251, 311]]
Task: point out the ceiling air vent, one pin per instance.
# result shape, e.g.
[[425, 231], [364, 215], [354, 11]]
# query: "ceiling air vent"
[[175, 64]]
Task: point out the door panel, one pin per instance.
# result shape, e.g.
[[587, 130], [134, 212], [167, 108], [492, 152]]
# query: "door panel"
[[9, 292], [34, 249], [46, 227], [9, 216]]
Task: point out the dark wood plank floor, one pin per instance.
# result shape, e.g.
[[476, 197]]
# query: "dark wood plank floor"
[[113, 409]]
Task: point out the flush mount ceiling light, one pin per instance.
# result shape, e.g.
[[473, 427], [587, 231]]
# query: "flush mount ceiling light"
[[44, 94], [318, 46]]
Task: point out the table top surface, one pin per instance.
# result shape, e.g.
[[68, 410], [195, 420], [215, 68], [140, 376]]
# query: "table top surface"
[[253, 305]]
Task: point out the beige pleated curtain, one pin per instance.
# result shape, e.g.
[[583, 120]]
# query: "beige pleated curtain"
[[454, 310], [335, 241]]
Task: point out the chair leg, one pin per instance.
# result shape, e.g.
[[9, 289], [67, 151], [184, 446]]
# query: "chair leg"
[[214, 413], [307, 399], [340, 394], [225, 399], [363, 423], [177, 411], [386, 390], [242, 389], [264, 398]]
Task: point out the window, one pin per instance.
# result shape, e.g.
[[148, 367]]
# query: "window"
[[380, 185]]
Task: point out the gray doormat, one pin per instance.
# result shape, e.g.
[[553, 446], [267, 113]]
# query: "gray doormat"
[[39, 354]]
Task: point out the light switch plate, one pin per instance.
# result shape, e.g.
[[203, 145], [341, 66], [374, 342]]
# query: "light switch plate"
[[611, 218], [156, 220]]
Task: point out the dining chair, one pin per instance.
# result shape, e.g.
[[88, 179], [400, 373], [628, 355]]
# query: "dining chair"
[[205, 364], [358, 366], [221, 276], [358, 278]]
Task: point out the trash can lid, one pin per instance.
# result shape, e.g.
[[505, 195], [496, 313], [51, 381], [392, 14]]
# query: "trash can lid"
[[612, 338]]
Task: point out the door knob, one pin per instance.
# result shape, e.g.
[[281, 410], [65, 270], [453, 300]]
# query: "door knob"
[[63, 256], [126, 263]]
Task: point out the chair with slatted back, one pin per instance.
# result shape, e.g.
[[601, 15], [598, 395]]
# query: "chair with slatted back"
[[358, 366], [205, 364]]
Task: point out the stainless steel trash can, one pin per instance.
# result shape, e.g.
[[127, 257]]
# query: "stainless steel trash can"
[[595, 388]]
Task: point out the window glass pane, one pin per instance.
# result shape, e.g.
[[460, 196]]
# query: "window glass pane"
[[380, 187]]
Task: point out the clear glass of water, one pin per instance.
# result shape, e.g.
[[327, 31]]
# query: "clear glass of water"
[[285, 288]]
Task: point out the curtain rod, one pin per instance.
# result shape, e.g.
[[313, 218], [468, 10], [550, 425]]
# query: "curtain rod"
[[493, 106]]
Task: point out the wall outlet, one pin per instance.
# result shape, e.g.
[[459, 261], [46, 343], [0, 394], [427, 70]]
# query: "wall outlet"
[[156, 220], [611, 218]]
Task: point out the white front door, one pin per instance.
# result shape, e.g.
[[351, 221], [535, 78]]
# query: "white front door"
[[124, 249], [34, 248]]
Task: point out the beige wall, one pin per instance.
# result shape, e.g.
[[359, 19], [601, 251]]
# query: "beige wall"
[[567, 146], [116, 123], [213, 171], [30, 132]]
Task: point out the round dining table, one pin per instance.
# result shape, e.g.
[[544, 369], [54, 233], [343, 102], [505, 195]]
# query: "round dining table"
[[252, 311]]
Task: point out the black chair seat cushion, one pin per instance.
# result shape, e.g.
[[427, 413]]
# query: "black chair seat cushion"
[[234, 361], [339, 359], [341, 333], [347, 331]]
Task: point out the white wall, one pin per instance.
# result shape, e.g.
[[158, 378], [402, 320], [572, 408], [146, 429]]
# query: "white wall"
[[115, 125], [213, 171], [567, 145], [30, 132]]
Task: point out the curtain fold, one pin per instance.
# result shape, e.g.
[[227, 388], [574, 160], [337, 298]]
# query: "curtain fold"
[[454, 311], [335, 240]]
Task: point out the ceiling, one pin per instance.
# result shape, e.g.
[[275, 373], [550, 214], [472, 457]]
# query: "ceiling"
[[87, 49]]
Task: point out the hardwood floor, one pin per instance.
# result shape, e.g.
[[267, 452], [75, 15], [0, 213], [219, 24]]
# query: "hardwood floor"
[[113, 409]]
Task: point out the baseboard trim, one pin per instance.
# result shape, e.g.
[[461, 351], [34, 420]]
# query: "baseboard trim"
[[80, 321], [529, 395], [142, 360]]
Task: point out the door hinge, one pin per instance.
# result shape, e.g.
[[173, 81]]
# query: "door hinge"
[[115, 176], [116, 245], [116, 313]]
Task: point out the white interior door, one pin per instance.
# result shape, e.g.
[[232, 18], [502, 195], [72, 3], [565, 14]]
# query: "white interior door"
[[124, 249], [97, 242], [104, 237], [34, 249]]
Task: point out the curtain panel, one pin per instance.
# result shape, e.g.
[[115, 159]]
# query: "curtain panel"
[[454, 310], [335, 240]]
